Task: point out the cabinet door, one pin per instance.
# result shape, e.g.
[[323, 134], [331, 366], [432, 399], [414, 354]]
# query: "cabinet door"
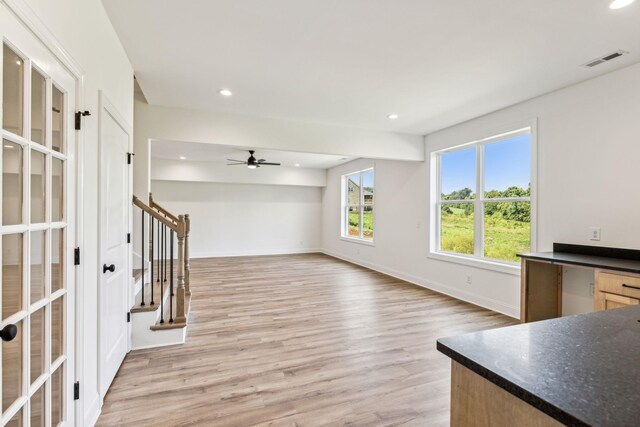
[[611, 301]]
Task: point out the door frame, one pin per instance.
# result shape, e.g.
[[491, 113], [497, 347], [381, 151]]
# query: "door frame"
[[31, 21], [107, 107]]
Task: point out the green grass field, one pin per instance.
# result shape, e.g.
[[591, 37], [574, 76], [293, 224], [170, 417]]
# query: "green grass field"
[[367, 228], [503, 238]]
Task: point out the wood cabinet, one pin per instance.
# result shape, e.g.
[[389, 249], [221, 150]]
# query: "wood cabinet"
[[614, 290]]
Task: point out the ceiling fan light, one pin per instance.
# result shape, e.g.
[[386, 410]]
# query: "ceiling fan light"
[[251, 166]]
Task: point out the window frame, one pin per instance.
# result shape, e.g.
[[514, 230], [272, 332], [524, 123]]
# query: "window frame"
[[477, 259], [345, 205]]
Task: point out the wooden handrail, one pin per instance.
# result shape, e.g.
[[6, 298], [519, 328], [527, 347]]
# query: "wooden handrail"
[[162, 210], [139, 203]]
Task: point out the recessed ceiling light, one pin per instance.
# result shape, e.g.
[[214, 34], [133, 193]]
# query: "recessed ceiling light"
[[619, 4], [297, 165], [183, 158], [225, 92], [392, 116]]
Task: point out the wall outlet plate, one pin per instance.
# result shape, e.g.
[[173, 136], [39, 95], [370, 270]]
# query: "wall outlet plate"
[[594, 233]]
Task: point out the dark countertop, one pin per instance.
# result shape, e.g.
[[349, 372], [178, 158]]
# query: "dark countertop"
[[582, 370], [619, 264]]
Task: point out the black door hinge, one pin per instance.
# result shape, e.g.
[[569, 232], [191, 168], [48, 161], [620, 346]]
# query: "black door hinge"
[[128, 237], [128, 317], [76, 256], [79, 115], [76, 390], [129, 156]]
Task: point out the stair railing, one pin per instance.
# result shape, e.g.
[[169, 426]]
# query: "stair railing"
[[162, 228], [166, 213]]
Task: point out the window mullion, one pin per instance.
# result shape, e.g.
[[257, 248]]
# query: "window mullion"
[[478, 205], [361, 181]]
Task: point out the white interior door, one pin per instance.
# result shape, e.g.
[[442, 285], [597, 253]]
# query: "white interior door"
[[37, 231], [115, 272]]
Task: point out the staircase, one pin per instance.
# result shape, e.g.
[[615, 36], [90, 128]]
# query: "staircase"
[[161, 284]]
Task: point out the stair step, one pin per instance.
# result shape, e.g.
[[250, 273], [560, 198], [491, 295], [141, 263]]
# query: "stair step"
[[138, 308], [167, 325], [137, 273]]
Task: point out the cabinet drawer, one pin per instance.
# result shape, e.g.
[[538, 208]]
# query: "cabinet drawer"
[[618, 284]]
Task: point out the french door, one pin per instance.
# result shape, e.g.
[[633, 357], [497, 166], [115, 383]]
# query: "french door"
[[37, 230]]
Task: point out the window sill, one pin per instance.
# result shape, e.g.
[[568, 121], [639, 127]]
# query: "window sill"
[[358, 241], [486, 264]]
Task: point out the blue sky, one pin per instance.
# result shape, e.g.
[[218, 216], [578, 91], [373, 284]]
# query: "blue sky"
[[507, 163], [367, 179]]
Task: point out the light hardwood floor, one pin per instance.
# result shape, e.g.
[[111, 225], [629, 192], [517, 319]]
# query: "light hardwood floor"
[[298, 340]]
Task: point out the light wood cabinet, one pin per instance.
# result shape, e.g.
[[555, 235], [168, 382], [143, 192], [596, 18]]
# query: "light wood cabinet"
[[615, 290]]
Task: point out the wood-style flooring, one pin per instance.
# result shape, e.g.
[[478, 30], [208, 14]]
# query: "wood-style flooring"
[[298, 340]]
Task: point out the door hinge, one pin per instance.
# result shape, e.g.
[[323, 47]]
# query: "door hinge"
[[76, 256], [128, 237], [129, 155], [128, 317], [76, 390], [79, 115]]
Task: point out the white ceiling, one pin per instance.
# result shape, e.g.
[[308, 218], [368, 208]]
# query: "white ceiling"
[[352, 62], [194, 151]]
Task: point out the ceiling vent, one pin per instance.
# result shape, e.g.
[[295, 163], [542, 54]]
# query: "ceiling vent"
[[605, 58]]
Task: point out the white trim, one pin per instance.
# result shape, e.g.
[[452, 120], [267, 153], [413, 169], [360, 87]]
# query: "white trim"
[[472, 261], [261, 252], [488, 303], [358, 241]]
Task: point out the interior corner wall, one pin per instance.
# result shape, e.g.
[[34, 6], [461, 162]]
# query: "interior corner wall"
[[83, 30], [588, 174], [245, 219]]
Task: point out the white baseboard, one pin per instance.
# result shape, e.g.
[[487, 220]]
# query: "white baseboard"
[[489, 303], [224, 254]]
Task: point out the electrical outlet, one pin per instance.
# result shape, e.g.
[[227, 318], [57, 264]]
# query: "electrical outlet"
[[592, 289], [469, 279], [594, 234]]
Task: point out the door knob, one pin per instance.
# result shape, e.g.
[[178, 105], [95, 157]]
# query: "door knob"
[[110, 268], [9, 332]]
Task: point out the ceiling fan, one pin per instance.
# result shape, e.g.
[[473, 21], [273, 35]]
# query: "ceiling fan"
[[251, 162]]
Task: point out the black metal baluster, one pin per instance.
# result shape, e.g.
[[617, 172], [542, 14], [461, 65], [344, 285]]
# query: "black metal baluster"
[[159, 265], [152, 255], [142, 304], [164, 232], [171, 277]]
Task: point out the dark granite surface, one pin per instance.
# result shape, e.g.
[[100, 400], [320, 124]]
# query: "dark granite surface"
[[582, 370], [628, 265]]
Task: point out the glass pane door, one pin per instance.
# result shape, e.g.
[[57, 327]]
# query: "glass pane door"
[[33, 228]]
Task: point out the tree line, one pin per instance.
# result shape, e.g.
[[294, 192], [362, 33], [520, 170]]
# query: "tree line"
[[515, 211]]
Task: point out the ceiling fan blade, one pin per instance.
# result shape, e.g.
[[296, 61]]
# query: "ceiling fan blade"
[[261, 161], [270, 164], [236, 164], [234, 160]]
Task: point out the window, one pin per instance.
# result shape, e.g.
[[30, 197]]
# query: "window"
[[357, 206], [483, 203]]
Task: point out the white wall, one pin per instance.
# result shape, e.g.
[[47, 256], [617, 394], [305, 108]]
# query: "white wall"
[[588, 175], [245, 219], [83, 31]]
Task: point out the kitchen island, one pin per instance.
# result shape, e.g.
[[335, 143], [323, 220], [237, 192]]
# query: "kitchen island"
[[581, 370]]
